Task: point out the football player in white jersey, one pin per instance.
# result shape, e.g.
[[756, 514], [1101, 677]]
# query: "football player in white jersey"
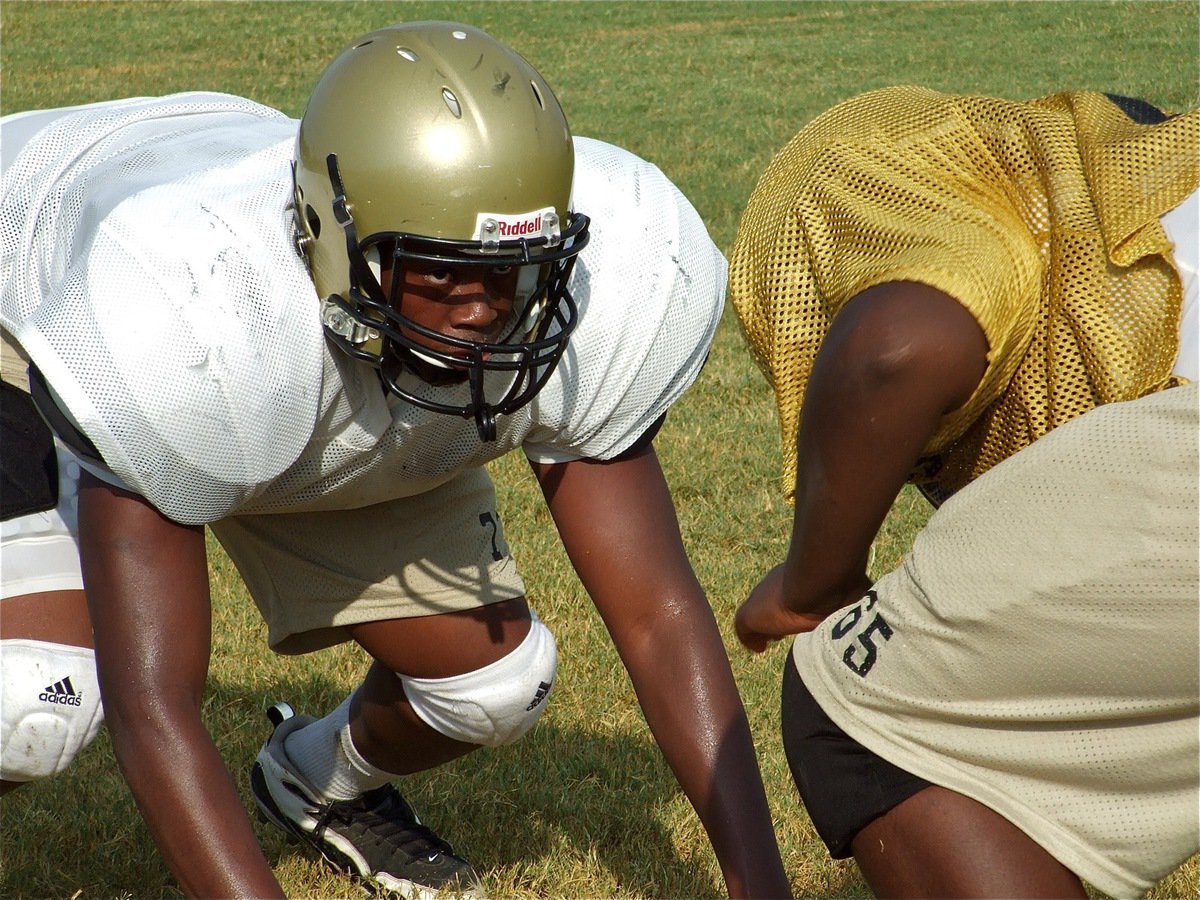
[[482, 282]]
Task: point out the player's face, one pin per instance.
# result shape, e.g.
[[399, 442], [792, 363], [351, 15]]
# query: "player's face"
[[473, 303]]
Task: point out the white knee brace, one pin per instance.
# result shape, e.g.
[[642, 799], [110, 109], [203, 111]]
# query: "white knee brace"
[[493, 705], [50, 707]]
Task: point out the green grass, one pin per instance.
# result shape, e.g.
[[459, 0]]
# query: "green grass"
[[584, 806]]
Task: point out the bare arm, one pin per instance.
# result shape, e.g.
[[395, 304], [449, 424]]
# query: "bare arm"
[[618, 525], [147, 586], [896, 359]]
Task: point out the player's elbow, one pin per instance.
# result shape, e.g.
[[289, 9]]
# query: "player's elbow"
[[909, 339], [139, 717]]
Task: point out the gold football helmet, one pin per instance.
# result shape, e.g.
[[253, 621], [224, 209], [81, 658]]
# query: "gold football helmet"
[[434, 143]]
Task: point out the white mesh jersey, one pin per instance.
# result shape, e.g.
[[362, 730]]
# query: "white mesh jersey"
[[148, 270]]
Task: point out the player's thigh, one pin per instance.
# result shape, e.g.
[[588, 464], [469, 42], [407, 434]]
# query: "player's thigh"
[[41, 582], [446, 644], [49, 694], [55, 616], [939, 843], [459, 604]]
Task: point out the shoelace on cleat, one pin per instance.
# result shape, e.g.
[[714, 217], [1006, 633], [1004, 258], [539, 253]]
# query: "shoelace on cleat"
[[411, 837]]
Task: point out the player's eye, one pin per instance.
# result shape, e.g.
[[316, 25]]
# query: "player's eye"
[[437, 275]]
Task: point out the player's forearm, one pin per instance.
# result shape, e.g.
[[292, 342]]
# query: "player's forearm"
[[618, 524], [842, 497], [690, 701], [897, 359], [148, 597], [729, 798], [875, 397], [189, 802], [821, 587], [838, 512]]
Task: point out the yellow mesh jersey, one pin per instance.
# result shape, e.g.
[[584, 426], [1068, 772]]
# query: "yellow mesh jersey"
[[1040, 217]]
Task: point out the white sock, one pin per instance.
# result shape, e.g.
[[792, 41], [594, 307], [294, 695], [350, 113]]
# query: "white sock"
[[324, 753]]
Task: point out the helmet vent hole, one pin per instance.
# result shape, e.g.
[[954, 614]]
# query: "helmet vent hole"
[[459, 35], [363, 44], [538, 95], [405, 53], [452, 102], [314, 221]]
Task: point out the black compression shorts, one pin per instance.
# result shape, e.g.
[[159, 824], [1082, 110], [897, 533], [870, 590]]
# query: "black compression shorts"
[[844, 785]]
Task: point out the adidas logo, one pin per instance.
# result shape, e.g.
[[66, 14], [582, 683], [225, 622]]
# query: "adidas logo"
[[62, 693], [542, 690]]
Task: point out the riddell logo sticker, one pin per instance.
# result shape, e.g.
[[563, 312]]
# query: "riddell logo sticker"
[[499, 226], [62, 693]]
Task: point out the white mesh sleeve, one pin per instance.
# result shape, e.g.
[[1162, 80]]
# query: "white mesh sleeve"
[[650, 286], [148, 273]]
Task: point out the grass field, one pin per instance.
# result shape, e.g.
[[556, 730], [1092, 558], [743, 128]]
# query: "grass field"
[[584, 806]]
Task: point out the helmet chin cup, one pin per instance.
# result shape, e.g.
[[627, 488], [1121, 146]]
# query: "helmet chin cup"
[[502, 377]]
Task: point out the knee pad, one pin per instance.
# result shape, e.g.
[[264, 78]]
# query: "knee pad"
[[51, 707], [496, 704]]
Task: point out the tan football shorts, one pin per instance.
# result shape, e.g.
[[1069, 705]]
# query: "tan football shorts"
[[14, 365], [1038, 648], [312, 574]]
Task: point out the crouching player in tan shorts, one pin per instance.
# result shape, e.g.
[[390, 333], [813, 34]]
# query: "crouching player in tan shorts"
[[313, 336], [995, 301]]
